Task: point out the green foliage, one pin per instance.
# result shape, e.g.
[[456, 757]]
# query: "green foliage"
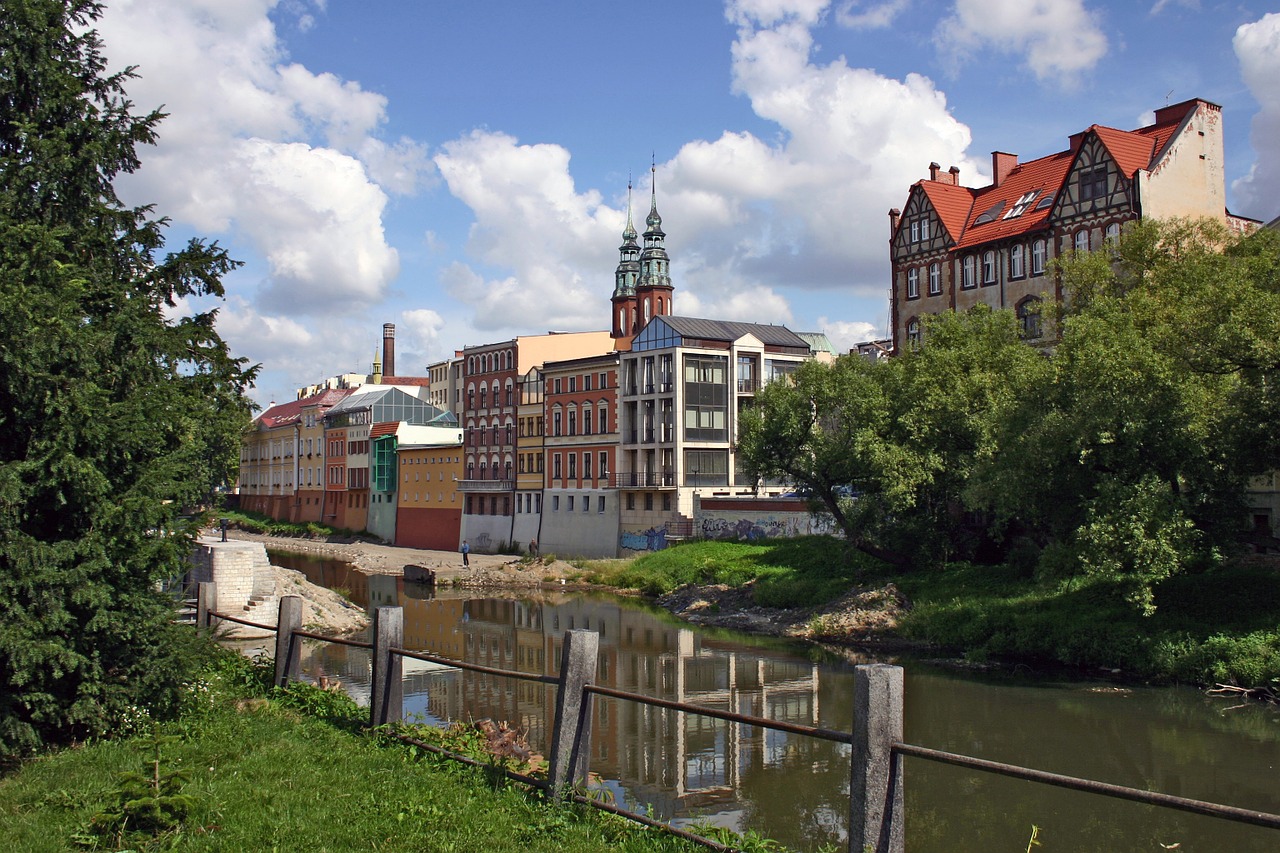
[[118, 410], [147, 804], [256, 522]]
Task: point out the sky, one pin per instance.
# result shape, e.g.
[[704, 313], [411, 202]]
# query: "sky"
[[461, 169]]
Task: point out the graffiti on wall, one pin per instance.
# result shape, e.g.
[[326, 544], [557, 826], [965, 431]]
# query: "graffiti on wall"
[[764, 527], [653, 539]]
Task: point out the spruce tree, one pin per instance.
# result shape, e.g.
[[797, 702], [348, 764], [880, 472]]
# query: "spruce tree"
[[118, 409]]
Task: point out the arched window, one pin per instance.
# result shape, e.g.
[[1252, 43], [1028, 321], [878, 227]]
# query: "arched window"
[[1113, 234], [1038, 257], [1017, 264], [648, 309], [913, 331], [913, 283], [969, 273], [1029, 317], [586, 419], [989, 267], [1082, 240], [935, 279], [573, 420]]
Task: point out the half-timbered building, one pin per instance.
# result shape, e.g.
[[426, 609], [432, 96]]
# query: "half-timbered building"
[[953, 247]]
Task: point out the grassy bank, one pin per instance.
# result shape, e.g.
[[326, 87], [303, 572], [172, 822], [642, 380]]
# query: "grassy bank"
[[1218, 626], [289, 772]]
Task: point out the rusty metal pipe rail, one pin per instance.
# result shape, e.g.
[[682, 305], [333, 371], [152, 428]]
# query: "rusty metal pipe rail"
[[475, 667], [1120, 792], [355, 644], [239, 621], [777, 725]]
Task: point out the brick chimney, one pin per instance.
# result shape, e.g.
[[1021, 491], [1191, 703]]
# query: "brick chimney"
[[955, 175], [934, 169], [1001, 165], [388, 349], [894, 216]]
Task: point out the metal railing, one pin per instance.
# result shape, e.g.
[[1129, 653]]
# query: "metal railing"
[[876, 790]]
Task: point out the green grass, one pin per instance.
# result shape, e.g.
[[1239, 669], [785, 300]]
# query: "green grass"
[[256, 522], [296, 773], [1210, 627]]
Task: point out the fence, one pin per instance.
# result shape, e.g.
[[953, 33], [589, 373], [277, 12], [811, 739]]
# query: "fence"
[[876, 784]]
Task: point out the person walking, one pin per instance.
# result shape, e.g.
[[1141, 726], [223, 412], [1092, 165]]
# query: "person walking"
[[533, 548], [466, 550]]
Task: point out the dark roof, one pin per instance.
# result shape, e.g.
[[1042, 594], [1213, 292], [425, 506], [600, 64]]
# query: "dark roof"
[[728, 330], [286, 413]]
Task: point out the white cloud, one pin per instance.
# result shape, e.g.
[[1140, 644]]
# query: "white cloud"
[[860, 15], [1060, 39], [844, 334], [530, 220], [270, 152], [1257, 47]]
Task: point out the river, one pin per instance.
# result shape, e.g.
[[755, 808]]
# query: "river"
[[689, 769]]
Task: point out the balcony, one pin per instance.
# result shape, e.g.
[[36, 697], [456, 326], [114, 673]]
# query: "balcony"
[[748, 385], [486, 485], [644, 479]]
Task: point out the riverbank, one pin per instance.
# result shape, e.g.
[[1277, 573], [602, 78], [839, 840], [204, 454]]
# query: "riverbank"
[[1209, 628]]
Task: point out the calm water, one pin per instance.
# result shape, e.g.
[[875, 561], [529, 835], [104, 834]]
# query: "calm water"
[[690, 769]]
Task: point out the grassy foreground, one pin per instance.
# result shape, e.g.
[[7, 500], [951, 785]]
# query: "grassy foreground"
[[1217, 626], [289, 772]]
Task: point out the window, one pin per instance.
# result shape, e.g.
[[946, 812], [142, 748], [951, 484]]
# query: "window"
[[913, 283], [913, 331], [573, 422], [600, 504], [988, 267], [573, 384], [555, 503], [604, 464], [604, 421], [666, 501], [586, 503], [557, 385], [1037, 257], [968, 276], [924, 229], [1021, 204], [1029, 317], [586, 466], [1093, 183], [935, 279], [1017, 264], [631, 500], [573, 466], [1082, 240], [569, 506], [555, 466], [555, 422], [1112, 236], [915, 231], [648, 501]]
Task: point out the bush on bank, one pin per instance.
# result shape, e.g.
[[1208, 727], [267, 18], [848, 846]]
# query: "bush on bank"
[[1219, 626]]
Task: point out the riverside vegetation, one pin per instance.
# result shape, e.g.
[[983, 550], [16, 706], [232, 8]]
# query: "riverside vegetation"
[[247, 767]]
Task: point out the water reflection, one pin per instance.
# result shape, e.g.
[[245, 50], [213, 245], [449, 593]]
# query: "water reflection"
[[687, 768]]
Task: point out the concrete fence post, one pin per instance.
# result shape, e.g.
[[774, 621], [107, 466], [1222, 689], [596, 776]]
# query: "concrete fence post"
[[875, 786], [386, 694], [288, 648], [571, 737], [206, 600]]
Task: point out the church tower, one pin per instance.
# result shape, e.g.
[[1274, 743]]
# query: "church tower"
[[625, 313], [653, 290]]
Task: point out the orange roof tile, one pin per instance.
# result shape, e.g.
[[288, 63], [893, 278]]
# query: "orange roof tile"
[[1044, 176], [388, 428], [1131, 151], [952, 204]]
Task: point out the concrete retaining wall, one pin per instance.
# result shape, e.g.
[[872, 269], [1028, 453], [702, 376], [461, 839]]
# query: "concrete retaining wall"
[[240, 569]]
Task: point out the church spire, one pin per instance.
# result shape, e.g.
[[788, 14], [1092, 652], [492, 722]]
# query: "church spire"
[[625, 278], [653, 290]]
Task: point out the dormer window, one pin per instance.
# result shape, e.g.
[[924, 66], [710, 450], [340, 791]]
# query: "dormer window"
[[990, 214], [1047, 201], [1020, 206]]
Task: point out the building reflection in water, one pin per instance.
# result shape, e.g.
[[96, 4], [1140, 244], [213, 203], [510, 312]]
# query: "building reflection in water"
[[676, 764]]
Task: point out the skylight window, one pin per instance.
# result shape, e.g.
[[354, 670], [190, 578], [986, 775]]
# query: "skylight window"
[[990, 214], [1047, 201], [1020, 206]]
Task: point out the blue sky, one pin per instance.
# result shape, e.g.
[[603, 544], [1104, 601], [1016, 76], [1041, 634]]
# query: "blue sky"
[[460, 169]]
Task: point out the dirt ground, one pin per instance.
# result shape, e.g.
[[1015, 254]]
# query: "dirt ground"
[[860, 617]]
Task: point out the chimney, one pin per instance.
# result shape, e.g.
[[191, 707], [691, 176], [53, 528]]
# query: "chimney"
[[934, 169], [1001, 165], [955, 175], [894, 216], [388, 349]]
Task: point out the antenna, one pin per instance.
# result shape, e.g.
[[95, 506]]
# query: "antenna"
[[1167, 96]]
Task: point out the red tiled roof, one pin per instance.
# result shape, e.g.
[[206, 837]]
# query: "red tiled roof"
[[951, 203], [1131, 151], [412, 381], [388, 428], [959, 208], [286, 413], [1044, 175]]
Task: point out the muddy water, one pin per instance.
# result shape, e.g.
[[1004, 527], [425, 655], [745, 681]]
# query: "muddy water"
[[690, 769]]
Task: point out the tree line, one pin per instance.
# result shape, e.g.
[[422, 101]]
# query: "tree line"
[[1120, 452]]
